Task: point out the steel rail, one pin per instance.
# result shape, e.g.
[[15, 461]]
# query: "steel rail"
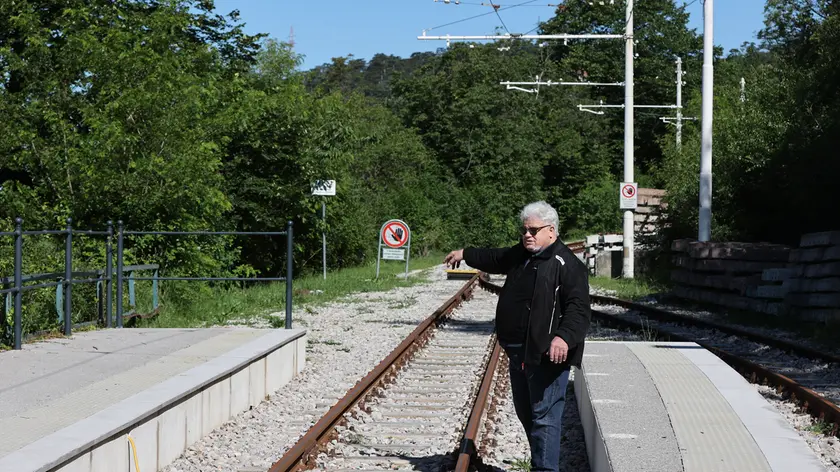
[[309, 445], [816, 405], [667, 316], [468, 447]]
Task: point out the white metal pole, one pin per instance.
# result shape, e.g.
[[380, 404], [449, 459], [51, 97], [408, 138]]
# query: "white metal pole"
[[627, 269], [679, 103], [324, 236], [704, 232]]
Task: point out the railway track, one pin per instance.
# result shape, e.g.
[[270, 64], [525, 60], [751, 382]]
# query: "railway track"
[[421, 408], [806, 376]]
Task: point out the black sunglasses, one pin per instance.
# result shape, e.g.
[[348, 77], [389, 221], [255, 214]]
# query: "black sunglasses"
[[533, 231]]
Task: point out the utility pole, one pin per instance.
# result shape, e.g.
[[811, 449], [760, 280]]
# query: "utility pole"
[[627, 266], [627, 269], [743, 90], [704, 230], [679, 119]]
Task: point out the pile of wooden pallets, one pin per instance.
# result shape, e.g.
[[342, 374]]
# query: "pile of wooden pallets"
[[812, 285], [729, 274]]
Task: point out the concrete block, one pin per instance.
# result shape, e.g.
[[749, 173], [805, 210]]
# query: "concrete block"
[[740, 252], [613, 239], [592, 240], [257, 382], [145, 439], [814, 300], [767, 291], [111, 456], [608, 264], [239, 396], [817, 254], [300, 358], [828, 269], [215, 405], [172, 435], [775, 275], [193, 410], [681, 245], [831, 284], [81, 464], [289, 356], [825, 238], [734, 266]]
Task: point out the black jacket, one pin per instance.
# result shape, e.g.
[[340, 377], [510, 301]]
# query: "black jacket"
[[560, 304]]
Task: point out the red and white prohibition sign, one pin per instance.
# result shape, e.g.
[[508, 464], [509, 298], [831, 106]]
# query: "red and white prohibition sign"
[[395, 234], [628, 191]]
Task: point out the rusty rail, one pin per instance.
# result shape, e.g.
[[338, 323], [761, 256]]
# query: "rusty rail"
[[307, 448], [577, 246], [817, 406], [468, 443]]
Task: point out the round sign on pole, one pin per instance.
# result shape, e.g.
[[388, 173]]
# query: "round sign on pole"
[[629, 191], [395, 234]]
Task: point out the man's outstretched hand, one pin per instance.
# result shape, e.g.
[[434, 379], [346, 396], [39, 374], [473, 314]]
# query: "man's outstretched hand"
[[454, 258]]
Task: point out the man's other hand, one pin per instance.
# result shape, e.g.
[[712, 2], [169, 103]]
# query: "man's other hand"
[[454, 258], [558, 351]]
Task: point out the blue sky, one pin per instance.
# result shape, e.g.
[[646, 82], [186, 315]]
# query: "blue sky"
[[330, 28]]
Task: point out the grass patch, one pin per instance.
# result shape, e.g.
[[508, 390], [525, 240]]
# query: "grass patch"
[[820, 427], [629, 289], [521, 464], [202, 306]]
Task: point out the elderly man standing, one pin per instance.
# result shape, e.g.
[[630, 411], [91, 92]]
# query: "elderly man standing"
[[542, 318]]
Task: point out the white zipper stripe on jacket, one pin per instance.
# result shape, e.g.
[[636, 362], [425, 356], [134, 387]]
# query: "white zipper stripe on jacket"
[[553, 310]]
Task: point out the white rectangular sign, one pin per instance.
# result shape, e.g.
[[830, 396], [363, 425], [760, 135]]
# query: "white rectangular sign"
[[627, 193], [324, 187], [393, 254]]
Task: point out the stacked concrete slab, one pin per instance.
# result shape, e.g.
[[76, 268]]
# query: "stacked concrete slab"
[[650, 212], [812, 286], [802, 282], [730, 274]]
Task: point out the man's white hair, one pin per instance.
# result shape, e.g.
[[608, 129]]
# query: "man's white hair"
[[543, 211]]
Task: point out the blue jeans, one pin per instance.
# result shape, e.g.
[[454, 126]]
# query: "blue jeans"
[[539, 397]]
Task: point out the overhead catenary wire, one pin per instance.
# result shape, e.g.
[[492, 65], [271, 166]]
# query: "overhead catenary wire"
[[496, 9], [481, 15]]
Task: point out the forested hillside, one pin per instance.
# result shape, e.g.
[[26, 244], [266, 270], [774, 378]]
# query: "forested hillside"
[[167, 116]]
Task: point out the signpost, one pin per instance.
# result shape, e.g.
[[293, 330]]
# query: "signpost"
[[324, 188], [395, 234], [628, 199]]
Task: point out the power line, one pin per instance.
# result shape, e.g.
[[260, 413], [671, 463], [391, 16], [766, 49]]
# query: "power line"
[[483, 14], [496, 9]]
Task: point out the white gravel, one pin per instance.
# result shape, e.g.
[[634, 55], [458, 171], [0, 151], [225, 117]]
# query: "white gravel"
[[346, 340]]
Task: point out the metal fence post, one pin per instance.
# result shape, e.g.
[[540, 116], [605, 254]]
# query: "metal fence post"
[[120, 274], [289, 251], [18, 281], [109, 270], [68, 279]]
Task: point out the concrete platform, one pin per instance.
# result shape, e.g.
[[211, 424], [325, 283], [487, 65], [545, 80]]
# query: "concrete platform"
[[670, 407], [78, 404]]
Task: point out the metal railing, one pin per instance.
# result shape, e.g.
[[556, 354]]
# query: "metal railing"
[[16, 285]]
